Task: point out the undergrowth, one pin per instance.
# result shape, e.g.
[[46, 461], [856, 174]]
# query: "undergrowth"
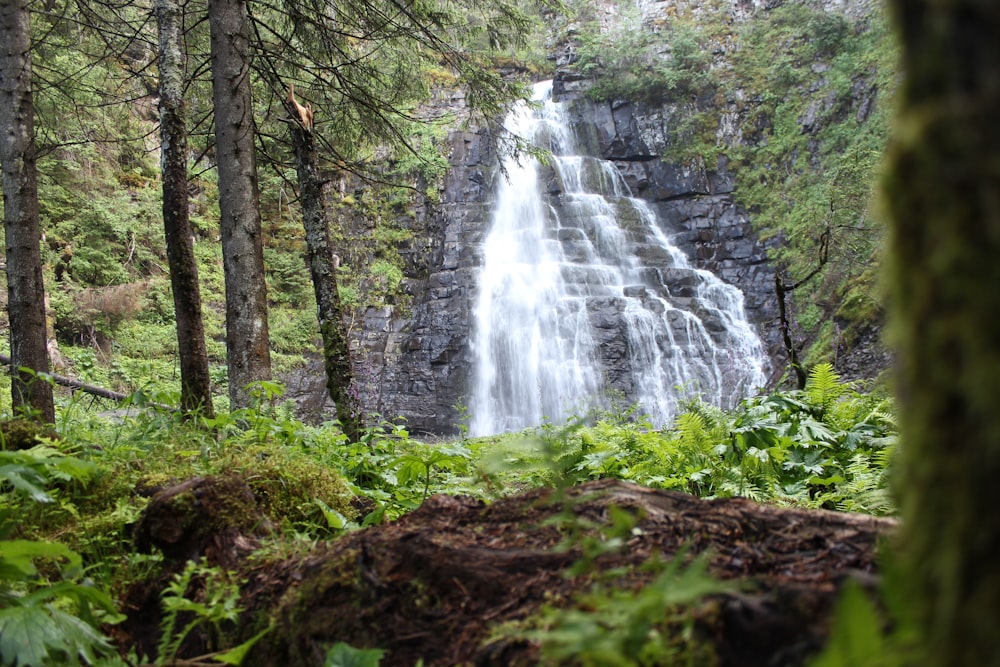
[[77, 491]]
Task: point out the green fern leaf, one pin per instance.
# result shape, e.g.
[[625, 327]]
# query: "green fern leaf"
[[824, 386]]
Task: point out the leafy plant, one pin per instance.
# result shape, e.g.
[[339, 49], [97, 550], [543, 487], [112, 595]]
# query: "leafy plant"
[[52, 618], [217, 604], [422, 461], [631, 61], [797, 100], [345, 655], [615, 626], [873, 628], [825, 446]]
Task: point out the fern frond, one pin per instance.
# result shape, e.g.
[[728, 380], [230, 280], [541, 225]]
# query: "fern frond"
[[689, 428], [824, 386]]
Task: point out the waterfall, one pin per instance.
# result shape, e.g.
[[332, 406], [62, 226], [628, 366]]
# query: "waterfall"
[[582, 294]]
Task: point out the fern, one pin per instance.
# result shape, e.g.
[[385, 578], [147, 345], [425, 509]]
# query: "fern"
[[218, 605], [864, 488], [44, 622], [823, 387], [611, 626]]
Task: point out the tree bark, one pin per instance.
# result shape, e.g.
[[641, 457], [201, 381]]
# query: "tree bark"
[[196, 383], [323, 269], [247, 342], [942, 193], [25, 287]]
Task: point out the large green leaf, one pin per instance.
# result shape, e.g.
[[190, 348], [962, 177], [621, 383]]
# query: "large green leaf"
[[235, 655], [34, 636], [345, 655], [26, 480], [17, 556]]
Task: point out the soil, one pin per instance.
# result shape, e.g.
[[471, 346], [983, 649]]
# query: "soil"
[[437, 583]]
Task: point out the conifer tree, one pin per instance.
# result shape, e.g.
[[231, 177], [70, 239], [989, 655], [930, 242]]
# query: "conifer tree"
[[196, 385], [248, 352], [25, 287], [363, 64]]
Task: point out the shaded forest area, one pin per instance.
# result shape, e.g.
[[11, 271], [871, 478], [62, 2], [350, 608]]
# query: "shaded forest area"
[[939, 599]]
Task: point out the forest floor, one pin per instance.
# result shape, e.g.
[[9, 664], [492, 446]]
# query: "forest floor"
[[461, 582]]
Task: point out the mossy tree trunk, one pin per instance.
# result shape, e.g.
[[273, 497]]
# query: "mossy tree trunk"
[[196, 383], [942, 193], [248, 351], [323, 270], [25, 287]]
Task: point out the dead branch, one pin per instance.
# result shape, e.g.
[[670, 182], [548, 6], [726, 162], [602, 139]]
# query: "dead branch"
[[781, 289], [64, 381]]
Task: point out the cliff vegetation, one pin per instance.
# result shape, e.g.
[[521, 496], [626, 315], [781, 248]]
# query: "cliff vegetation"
[[795, 99]]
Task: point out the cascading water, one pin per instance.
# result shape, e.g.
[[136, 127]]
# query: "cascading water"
[[582, 294]]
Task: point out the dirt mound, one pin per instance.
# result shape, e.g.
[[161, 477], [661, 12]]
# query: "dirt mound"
[[433, 584]]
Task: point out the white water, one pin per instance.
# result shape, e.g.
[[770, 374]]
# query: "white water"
[[563, 286]]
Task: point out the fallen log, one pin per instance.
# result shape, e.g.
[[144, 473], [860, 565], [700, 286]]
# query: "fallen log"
[[72, 383], [436, 583], [91, 389]]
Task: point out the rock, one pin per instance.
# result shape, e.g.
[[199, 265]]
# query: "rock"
[[417, 363]]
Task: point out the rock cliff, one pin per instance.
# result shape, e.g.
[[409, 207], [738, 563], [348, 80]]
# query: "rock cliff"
[[417, 361]]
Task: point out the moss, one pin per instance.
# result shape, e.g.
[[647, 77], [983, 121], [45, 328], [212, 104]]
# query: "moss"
[[821, 349], [226, 503], [288, 482], [310, 609], [859, 304], [941, 194], [24, 434], [800, 109]]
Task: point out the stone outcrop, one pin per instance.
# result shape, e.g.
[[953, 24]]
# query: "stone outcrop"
[[418, 359], [695, 204], [418, 362]]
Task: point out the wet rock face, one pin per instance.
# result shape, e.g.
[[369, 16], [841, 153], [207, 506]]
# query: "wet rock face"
[[695, 204], [418, 363]]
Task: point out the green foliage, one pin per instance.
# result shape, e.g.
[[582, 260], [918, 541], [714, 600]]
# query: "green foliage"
[[874, 628], [294, 330], [51, 618], [828, 446], [388, 274], [216, 605], [857, 638], [635, 62], [813, 144], [344, 655], [397, 472], [426, 160], [797, 100], [421, 462], [617, 626]]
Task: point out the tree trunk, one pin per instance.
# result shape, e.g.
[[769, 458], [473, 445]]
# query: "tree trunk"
[[942, 192], [25, 288], [247, 342], [196, 384], [323, 269]]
